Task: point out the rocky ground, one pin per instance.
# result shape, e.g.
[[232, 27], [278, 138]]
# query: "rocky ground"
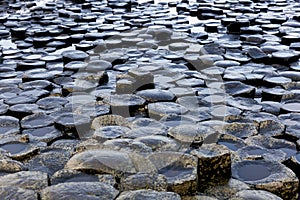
[[149, 100]]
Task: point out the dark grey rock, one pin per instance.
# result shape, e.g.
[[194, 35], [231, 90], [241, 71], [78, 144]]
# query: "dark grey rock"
[[21, 99], [276, 80], [48, 103], [140, 181], [13, 192], [159, 143], [65, 175], [189, 134], [154, 95], [223, 112], [241, 130], [109, 120], [109, 132], [271, 107], [272, 177], [31, 180], [9, 125], [44, 134], [289, 148], [258, 153], [182, 91], [49, 161], [273, 94], [127, 145], [285, 56], [37, 120], [244, 104], [214, 165], [144, 131], [111, 162], [22, 110], [160, 109], [180, 170], [236, 88], [74, 190], [19, 150], [124, 104], [290, 107], [148, 195], [257, 54], [227, 190], [147, 122], [231, 142], [255, 194], [73, 124], [74, 55]]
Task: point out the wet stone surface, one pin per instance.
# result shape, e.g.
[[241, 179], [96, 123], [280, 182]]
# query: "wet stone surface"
[[19, 150], [149, 99], [269, 176], [180, 173]]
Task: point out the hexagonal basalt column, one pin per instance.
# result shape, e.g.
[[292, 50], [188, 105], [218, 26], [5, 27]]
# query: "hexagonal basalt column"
[[112, 162], [270, 176], [255, 194], [180, 169], [214, 165], [148, 195]]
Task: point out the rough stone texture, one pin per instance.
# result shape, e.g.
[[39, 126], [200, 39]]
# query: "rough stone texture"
[[219, 66], [109, 132], [31, 180], [37, 120], [140, 181], [214, 165], [9, 125], [128, 145], [161, 109], [256, 152], [180, 170], [109, 120], [255, 194], [274, 177], [124, 104], [20, 150], [79, 191], [49, 160], [198, 197], [148, 195], [231, 142], [159, 143], [9, 165], [241, 130], [12, 192], [109, 161], [66, 175], [227, 190], [189, 134]]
